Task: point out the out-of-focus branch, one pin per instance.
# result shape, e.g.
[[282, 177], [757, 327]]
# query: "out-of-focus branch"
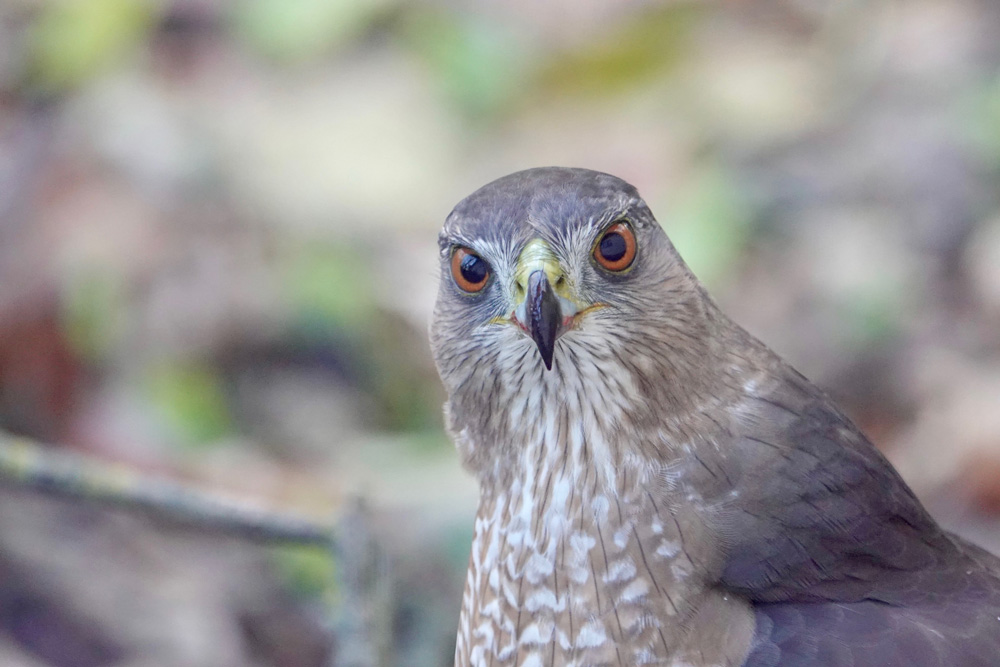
[[363, 620], [362, 617], [28, 465]]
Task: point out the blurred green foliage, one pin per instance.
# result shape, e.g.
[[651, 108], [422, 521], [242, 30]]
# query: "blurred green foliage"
[[981, 116], [872, 317], [308, 571], [410, 397], [94, 303], [710, 223], [480, 63], [631, 52], [73, 40], [290, 31], [328, 289], [191, 399]]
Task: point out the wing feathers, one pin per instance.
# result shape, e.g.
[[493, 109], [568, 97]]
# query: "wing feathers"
[[842, 562]]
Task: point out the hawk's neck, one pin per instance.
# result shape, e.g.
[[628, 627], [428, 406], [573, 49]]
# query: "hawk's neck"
[[580, 555]]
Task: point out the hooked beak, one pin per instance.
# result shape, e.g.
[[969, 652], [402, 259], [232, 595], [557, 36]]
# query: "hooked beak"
[[547, 308], [544, 315]]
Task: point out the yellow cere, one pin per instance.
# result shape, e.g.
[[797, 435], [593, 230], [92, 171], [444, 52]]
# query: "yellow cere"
[[538, 255]]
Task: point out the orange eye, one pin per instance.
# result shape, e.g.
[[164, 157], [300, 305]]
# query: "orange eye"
[[470, 271], [616, 249]]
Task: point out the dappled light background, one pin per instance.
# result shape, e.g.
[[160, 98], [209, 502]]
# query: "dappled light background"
[[218, 257]]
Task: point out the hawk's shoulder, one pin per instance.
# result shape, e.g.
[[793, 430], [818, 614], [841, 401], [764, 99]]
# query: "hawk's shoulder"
[[841, 560]]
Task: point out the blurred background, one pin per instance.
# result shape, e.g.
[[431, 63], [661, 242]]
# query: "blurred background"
[[218, 231]]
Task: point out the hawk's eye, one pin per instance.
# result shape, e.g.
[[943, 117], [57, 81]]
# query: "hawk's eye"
[[469, 270], [615, 251]]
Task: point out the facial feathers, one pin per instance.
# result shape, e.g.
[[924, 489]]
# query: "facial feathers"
[[657, 486]]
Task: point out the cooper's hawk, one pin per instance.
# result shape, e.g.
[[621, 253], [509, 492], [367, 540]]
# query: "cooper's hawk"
[[657, 486]]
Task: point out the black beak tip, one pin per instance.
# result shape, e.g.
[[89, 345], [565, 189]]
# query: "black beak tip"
[[544, 315]]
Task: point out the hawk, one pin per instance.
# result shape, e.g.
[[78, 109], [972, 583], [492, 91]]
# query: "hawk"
[[656, 485]]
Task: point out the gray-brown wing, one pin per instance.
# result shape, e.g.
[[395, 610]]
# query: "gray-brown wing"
[[843, 564], [872, 634]]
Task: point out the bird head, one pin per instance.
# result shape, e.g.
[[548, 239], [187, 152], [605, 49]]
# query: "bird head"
[[550, 272]]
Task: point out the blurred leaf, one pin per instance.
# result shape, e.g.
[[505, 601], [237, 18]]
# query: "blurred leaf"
[[192, 399], [429, 440], [72, 40], [481, 63], [709, 224], [296, 30], [873, 316], [330, 291], [628, 54], [399, 379], [309, 571], [92, 310], [979, 120], [327, 288]]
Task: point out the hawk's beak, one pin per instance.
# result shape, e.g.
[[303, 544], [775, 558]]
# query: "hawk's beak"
[[544, 315], [546, 308]]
